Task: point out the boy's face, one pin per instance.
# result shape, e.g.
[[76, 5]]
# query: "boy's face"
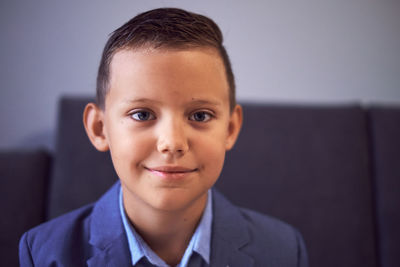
[[167, 124]]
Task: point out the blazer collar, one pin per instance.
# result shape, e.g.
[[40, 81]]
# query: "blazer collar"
[[106, 232], [229, 234], [107, 236]]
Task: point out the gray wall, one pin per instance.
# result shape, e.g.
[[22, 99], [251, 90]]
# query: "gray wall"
[[307, 51]]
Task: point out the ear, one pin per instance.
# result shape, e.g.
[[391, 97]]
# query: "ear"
[[93, 119], [235, 124]]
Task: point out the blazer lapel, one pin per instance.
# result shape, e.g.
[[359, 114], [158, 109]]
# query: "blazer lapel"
[[107, 235], [229, 235], [116, 254]]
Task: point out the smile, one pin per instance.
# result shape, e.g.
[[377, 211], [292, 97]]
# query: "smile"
[[171, 172]]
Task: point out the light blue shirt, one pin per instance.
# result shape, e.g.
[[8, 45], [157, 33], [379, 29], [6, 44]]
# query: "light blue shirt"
[[199, 243]]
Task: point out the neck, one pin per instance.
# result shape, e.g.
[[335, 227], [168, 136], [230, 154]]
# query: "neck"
[[166, 232]]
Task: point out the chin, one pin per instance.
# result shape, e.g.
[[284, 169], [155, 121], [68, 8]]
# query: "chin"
[[175, 200]]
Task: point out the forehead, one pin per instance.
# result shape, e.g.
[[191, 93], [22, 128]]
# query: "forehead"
[[140, 59], [194, 73]]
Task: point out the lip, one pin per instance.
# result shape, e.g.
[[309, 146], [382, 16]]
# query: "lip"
[[171, 172]]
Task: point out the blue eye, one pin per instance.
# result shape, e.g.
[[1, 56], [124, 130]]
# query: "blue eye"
[[200, 116], [142, 115]]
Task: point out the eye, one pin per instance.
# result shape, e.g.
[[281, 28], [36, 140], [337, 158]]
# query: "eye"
[[200, 116], [142, 115]]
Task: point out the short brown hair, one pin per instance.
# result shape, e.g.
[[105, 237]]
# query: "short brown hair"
[[163, 28]]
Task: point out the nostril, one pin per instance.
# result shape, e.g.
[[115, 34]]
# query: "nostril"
[[172, 142], [171, 149], [168, 149]]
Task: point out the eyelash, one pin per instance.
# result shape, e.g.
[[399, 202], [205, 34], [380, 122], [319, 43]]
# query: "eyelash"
[[137, 112], [150, 116], [207, 114]]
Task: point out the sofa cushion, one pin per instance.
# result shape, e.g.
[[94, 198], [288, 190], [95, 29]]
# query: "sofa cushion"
[[23, 187], [80, 174], [310, 167], [385, 136]]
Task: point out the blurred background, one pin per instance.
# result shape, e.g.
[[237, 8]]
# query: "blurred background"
[[307, 51], [332, 171]]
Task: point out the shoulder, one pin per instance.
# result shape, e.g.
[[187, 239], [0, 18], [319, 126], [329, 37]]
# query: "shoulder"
[[272, 237], [266, 225], [62, 226], [264, 228], [263, 238], [56, 238], [73, 238]]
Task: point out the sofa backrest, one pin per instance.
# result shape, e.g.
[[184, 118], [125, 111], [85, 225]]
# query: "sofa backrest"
[[309, 166], [80, 173], [23, 185], [385, 140]]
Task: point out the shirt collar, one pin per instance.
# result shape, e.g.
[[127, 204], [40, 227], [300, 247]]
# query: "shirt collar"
[[200, 241]]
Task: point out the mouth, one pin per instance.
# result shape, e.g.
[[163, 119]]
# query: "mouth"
[[171, 172]]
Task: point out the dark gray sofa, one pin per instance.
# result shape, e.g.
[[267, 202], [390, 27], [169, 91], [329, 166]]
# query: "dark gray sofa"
[[331, 171]]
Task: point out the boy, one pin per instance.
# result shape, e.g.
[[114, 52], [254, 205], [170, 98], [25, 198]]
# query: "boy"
[[166, 111]]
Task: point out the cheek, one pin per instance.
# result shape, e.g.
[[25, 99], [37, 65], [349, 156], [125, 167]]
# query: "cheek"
[[128, 148], [211, 149]]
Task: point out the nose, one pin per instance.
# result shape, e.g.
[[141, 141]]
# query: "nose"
[[172, 137]]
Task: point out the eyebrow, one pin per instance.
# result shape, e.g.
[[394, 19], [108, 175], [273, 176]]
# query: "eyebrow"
[[194, 101], [141, 100], [206, 102]]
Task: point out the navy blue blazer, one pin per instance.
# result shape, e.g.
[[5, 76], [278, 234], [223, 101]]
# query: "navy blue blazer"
[[94, 236]]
